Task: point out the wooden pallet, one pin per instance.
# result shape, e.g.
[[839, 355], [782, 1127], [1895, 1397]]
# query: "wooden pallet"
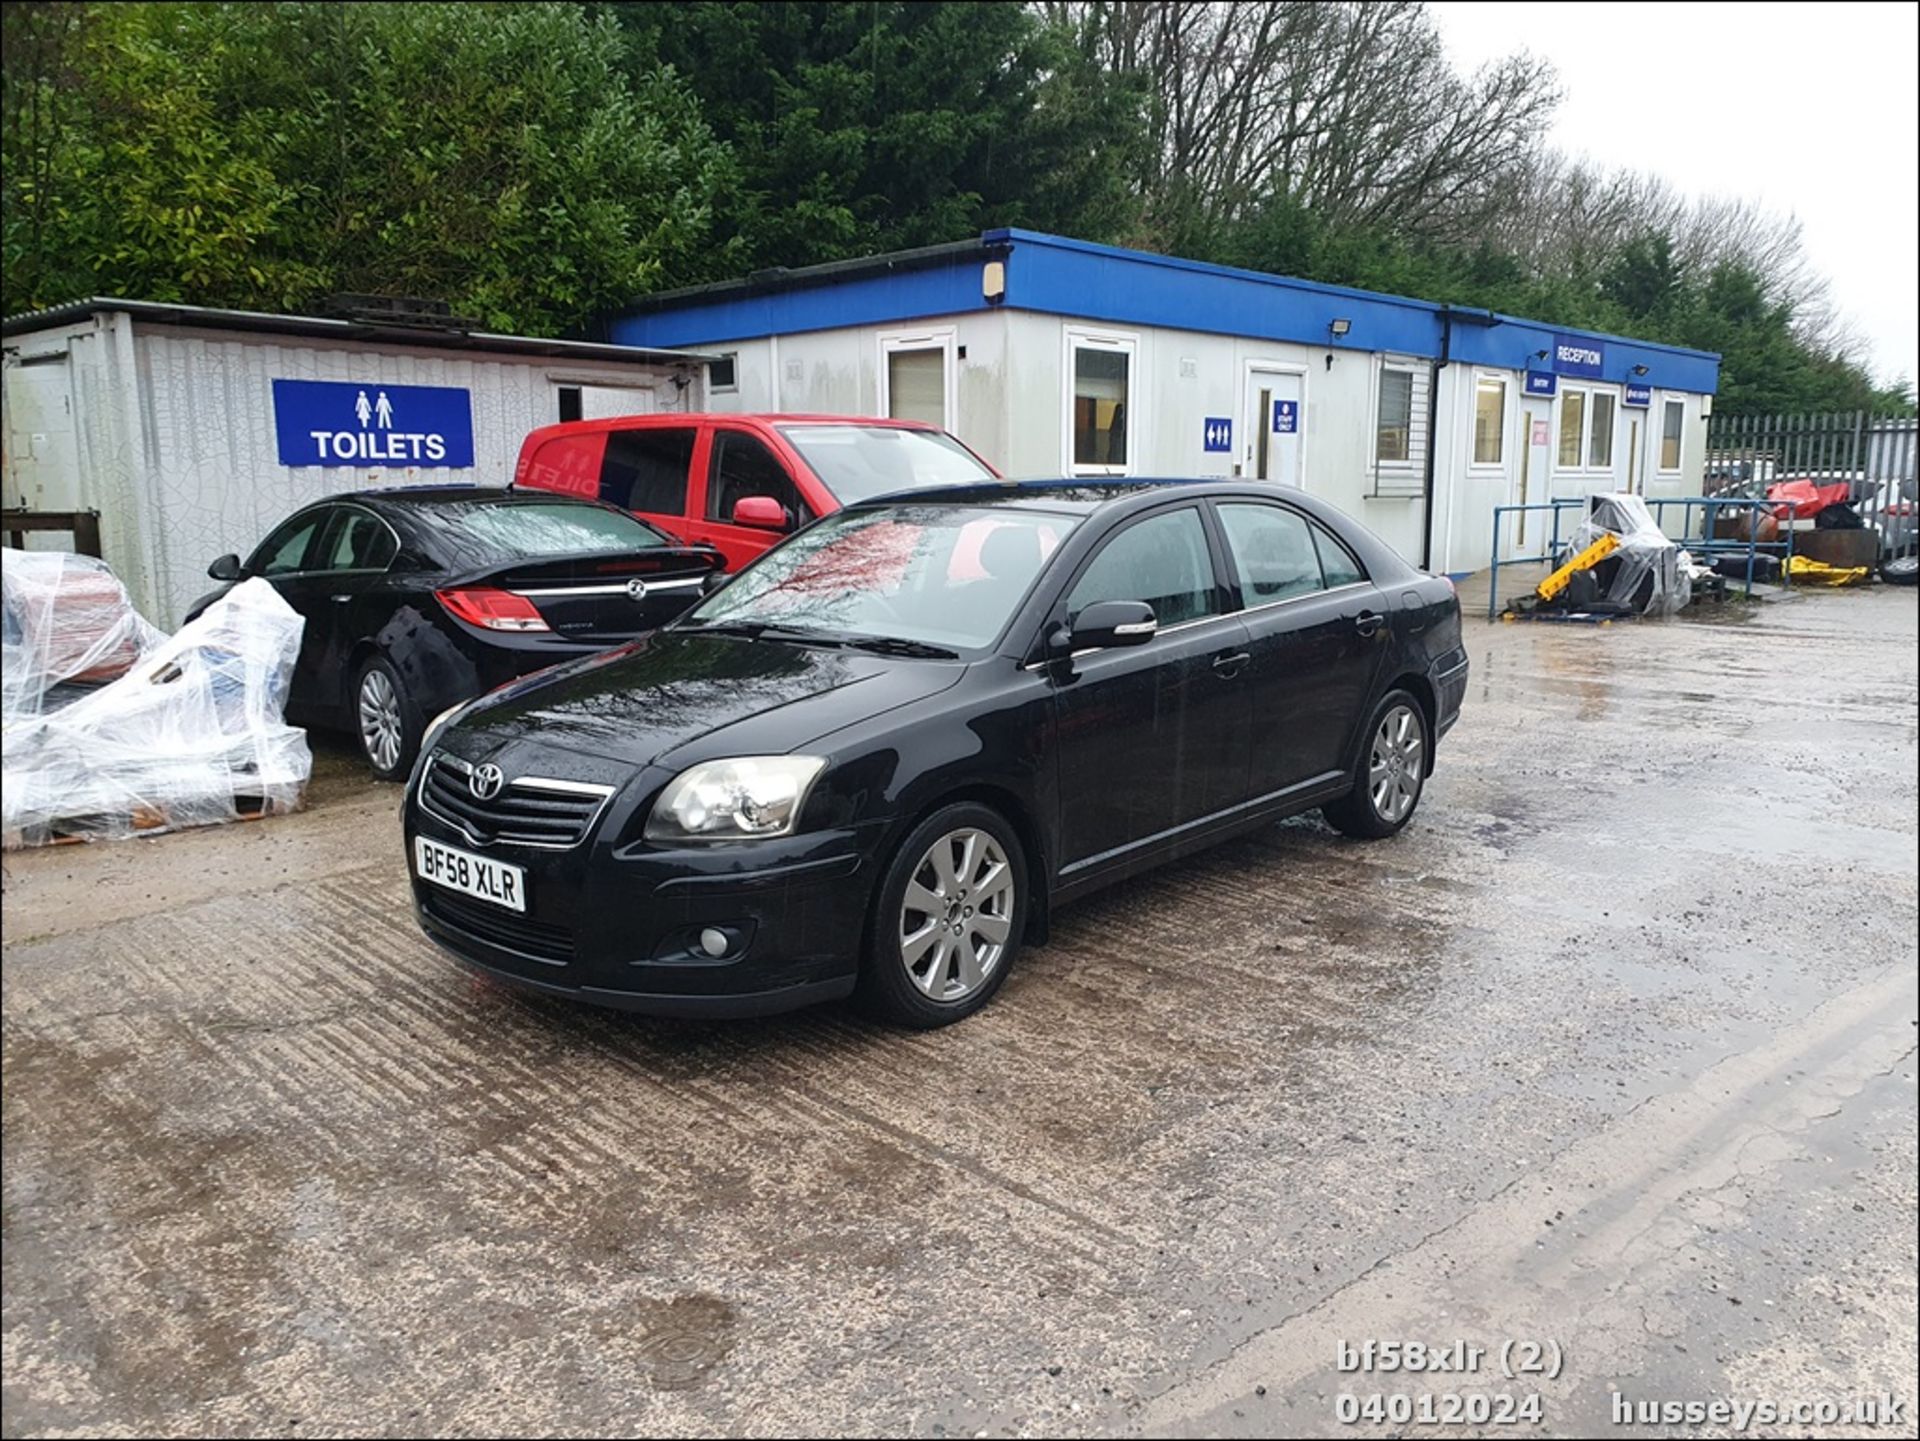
[[147, 821]]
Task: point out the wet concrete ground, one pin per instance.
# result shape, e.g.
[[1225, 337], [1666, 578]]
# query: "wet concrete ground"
[[1613, 1049]]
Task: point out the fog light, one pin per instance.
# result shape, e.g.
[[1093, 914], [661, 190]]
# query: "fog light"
[[713, 941]]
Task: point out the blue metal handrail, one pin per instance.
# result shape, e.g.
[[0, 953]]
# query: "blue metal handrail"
[[1706, 543]]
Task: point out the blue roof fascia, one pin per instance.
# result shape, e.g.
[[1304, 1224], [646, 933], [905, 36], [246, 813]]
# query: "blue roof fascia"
[[1130, 287], [951, 288], [1516, 345], [1078, 279]]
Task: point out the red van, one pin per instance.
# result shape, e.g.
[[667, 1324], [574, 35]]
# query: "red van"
[[741, 482]]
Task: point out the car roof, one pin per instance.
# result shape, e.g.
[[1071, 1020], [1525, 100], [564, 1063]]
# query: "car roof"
[[1074, 495], [405, 497], [657, 419]]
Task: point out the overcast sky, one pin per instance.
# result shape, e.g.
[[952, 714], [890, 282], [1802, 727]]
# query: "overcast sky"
[[1812, 109]]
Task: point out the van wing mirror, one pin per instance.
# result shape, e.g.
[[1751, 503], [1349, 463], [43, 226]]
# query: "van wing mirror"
[[226, 568], [761, 512], [1108, 623]]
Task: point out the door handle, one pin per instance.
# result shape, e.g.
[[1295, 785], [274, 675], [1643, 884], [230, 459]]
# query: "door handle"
[[1228, 666], [1367, 623], [340, 597]]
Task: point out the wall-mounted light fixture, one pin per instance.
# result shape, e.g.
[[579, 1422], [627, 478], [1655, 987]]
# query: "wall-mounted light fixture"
[[1540, 354], [1639, 370], [1337, 329]]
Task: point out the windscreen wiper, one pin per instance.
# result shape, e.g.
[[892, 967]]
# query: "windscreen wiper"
[[899, 645], [764, 630]]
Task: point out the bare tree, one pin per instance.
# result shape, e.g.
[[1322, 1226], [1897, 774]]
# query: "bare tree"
[[1349, 109]]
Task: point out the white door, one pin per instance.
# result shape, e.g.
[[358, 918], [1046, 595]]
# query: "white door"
[[1273, 419], [1530, 532], [43, 454]]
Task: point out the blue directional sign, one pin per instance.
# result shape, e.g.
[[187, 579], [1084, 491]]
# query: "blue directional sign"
[[1639, 395], [1217, 434], [329, 423], [1286, 417], [1541, 382]]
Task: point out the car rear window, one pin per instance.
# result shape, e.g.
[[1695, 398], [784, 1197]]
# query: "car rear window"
[[858, 462], [515, 528]]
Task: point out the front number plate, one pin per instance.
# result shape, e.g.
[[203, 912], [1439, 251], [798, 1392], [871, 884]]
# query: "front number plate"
[[471, 875]]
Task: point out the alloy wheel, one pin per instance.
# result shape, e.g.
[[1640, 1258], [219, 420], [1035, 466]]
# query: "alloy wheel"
[[380, 719], [1395, 768], [957, 916]]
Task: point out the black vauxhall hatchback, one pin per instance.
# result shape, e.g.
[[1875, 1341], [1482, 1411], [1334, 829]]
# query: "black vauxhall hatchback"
[[417, 598], [878, 756]]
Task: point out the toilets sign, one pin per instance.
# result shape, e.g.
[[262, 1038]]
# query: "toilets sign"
[[327, 423]]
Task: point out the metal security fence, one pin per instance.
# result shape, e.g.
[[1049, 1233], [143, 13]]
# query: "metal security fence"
[[1875, 455]]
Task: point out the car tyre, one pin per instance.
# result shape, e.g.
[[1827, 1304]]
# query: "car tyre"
[[386, 720], [947, 920], [1390, 774], [1903, 570]]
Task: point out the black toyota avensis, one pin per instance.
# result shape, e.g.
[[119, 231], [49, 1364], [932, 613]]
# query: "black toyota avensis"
[[882, 753]]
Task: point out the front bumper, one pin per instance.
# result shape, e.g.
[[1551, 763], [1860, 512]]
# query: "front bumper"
[[619, 926]]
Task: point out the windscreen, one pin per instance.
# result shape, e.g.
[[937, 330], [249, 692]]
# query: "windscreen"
[[941, 575], [859, 462]]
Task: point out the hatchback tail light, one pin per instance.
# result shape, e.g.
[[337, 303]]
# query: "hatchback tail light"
[[492, 609]]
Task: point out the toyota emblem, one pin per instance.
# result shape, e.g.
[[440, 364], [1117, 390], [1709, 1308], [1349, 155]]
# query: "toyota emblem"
[[636, 589], [485, 782]]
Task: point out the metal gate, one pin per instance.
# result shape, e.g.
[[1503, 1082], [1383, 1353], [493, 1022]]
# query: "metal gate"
[[1875, 455]]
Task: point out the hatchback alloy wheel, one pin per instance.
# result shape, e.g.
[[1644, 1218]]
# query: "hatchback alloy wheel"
[[957, 915], [380, 725]]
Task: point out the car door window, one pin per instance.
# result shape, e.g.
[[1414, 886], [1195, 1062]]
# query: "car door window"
[[646, 469], [1162, 560], [743, 466], [359, 540], [1336, 561], [1272, 549], [285, 551]]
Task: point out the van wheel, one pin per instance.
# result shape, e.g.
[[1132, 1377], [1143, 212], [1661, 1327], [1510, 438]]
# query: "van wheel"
[[1390, 774], [386, 720], [947, 919]]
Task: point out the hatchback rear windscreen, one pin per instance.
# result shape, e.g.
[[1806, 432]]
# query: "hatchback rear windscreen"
[[507, 530]]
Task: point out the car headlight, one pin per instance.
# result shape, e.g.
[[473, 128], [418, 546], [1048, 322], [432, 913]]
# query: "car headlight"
[[438, 724], [734, 800]]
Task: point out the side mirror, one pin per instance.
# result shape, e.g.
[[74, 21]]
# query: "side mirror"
[[1113, 623], [226, 568], [712, 581], [762, 512]]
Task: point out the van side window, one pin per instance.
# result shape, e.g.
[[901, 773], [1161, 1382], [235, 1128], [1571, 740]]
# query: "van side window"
[[741, 467], [646, 470]]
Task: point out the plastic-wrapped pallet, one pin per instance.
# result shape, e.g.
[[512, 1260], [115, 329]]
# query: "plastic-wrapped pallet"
[[1645, 571], [191, 736], [68, 623]]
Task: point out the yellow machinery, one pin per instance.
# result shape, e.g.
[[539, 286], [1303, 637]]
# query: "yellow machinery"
[[1585, 560]]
